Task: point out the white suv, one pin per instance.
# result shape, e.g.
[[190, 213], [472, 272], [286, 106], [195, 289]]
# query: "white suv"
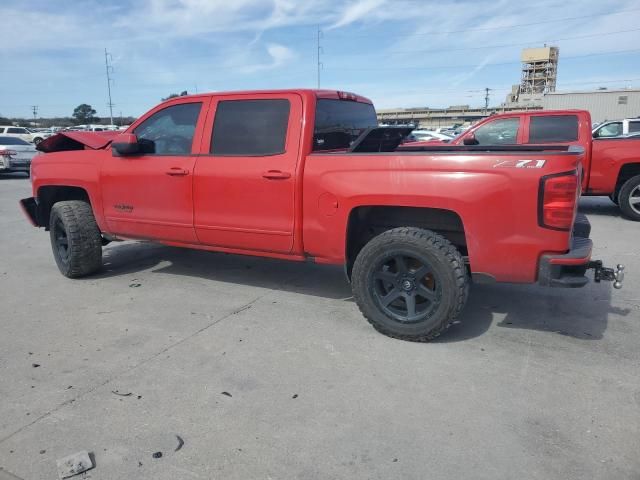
[[23, 133], [617, 128]]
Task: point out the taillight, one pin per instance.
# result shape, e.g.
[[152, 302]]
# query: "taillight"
[[8, 153], [558, 200]]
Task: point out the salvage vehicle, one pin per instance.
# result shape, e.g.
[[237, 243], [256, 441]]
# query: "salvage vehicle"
[[611, 166], [15, 154], [307, 175]]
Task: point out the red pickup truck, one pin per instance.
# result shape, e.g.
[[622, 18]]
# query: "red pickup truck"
[[307, 175], [611, 166]]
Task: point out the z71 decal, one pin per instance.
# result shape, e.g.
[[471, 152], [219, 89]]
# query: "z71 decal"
[[520, 164]]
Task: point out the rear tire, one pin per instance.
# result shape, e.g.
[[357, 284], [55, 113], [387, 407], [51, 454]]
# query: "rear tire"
[[629, 198], [75, 238], [410, 283]]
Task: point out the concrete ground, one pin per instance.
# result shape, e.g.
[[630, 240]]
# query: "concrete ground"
[[533, 383]]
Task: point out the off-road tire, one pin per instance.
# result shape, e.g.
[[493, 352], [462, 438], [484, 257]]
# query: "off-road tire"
[[435, 251], [74, 219], [624, 199]]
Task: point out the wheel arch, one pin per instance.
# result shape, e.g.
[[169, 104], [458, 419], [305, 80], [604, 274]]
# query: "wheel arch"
[[367, 221], [49, 195], [627, 171]]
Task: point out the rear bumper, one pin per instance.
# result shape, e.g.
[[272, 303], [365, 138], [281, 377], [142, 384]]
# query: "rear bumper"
[[14, 165], [569, 269]]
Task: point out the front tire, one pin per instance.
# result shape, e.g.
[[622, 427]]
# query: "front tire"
[[629, 198], [410, 283], [75, 238]]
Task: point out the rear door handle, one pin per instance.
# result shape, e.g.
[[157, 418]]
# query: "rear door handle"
[[177, 172], [276, 175]]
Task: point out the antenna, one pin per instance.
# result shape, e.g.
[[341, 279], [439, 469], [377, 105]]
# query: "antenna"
[[320, 52], [109, 69]]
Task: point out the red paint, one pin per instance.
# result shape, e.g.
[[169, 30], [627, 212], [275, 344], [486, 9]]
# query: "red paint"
[[604, 157], [296, 205]]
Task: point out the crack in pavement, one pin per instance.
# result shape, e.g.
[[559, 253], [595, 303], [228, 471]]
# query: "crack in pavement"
[[130, 369]]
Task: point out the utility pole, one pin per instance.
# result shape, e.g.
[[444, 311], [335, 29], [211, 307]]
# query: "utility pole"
[[109, 69], [486, 99], [320, 51], [34, 109]]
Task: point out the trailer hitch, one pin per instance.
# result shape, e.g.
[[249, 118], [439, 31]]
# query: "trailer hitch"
[[606, 274]]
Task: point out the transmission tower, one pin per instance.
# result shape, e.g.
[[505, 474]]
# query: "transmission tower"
[[109, 70], [319, 52]]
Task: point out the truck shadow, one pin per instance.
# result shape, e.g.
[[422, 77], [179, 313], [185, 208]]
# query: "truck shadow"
[[577, 313], [599, 206]]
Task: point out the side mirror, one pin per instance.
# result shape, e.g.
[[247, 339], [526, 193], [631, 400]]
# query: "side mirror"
[[125, 144], [470, 139]]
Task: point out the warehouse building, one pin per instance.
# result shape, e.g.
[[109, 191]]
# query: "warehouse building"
[[602, 104]]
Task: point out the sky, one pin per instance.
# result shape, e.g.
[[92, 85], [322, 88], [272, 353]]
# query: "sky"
[[399, 53]]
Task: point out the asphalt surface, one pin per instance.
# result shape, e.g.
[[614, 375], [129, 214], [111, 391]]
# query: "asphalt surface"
[[266, 370]]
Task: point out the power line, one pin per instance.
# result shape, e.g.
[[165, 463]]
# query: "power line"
[[109, 69], [483, 29], [434, 67]]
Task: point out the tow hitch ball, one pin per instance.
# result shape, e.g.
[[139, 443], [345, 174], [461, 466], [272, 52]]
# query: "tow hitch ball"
[[607, 274]]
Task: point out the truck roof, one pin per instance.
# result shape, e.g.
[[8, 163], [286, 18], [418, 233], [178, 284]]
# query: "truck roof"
[[319, 93]]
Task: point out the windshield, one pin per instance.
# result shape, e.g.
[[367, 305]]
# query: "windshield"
[[340, 122]]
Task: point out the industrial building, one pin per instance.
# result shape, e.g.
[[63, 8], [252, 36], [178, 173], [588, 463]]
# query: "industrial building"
[[602, 104], [536, 90]]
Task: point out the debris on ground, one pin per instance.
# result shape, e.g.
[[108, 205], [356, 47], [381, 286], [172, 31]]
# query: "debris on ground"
[[180, 443], [35, 365], [157, 455], [135, 285], [116, 392], [227, 394], [295, 395], [74, 464]]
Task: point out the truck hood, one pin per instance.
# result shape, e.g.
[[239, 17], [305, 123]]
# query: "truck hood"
[[76, 141]]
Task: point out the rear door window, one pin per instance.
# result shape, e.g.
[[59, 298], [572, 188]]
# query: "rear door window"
[[498, 132], [250, 128], [553, 128], [634, 126]]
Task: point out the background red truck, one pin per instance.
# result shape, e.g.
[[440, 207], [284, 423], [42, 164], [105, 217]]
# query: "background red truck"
[[307, 175], [611, 166]]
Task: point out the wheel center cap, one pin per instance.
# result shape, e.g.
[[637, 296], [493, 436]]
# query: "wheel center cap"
[[407, 285]]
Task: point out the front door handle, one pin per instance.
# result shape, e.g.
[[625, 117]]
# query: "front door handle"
[[177, 172], [276, 175]]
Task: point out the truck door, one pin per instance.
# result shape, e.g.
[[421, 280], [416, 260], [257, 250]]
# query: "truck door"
[[150, 195], [245, 177]]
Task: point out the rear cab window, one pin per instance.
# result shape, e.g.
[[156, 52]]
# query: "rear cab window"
[[553, 129], [339, 123]]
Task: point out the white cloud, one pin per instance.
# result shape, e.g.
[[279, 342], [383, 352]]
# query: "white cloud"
[[356, 11], [279, 56]]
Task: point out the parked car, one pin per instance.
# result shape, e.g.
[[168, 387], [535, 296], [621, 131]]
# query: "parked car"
[[429, 135], [15, 154], [306, 175], [611, 165], [20, 132], [617, 128]]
